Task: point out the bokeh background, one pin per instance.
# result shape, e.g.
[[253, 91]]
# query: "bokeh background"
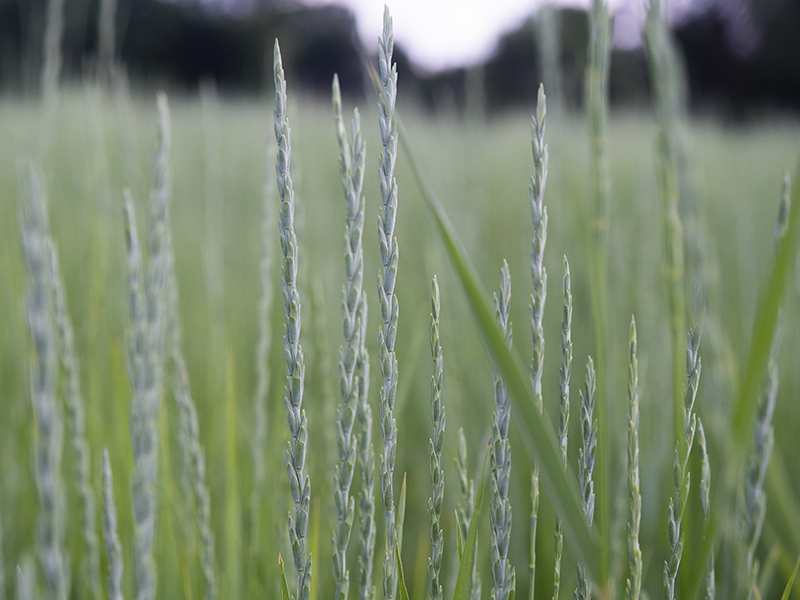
[[741, 56]]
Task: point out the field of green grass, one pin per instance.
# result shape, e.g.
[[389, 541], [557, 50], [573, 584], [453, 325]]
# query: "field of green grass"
[[97, 145]]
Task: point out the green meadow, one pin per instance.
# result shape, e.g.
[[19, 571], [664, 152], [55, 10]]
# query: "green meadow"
[[222, 163]]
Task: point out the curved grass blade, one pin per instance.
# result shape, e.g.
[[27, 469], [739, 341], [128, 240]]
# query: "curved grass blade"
[[463, 583], [537, 433], [765, 324], [788, 590]]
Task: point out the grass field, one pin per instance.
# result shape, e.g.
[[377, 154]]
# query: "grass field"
[[480, 168]]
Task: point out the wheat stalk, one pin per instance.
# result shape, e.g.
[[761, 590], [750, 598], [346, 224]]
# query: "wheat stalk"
[[634, 584], [503, 576], [597, 94], [192, 454], [352, 172], [705, 501], [113, 547], [366, 453], [583, 591], [436, 444], [539, 295], [683, 447], [39, 297], [299, 482], [387, 300], [563, 423]]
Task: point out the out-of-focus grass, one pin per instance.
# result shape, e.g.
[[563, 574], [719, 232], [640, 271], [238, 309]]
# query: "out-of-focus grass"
[[480, 169]]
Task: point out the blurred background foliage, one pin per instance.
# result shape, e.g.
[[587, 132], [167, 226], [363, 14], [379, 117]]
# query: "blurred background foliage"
[[741, 56]]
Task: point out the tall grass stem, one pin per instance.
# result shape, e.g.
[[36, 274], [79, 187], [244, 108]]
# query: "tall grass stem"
[[634, 583], [597, 94]]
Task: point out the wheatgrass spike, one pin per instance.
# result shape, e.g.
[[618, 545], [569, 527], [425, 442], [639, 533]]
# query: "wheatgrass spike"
[[539, 295], [563, 423], [113, 546], [436, 445], [500, 513], [634, 584], [683, 447], [148, 305], [192, 454], [351, 161], [366, 452], [299, 482], [705, 502], [583, 591], [76, 423], [387, 300], [43, 378], [597, 94]]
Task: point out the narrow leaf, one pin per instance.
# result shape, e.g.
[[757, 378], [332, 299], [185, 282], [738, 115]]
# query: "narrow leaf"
[[463, 583], [401, 576], [459, 541], [284, 588], [765, 324], [790, 583], [401, 515]]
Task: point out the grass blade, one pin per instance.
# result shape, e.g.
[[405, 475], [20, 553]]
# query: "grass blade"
[[401, 578], [284, 587], [790, 583], [537, 433], [764, 326], [463, 583]]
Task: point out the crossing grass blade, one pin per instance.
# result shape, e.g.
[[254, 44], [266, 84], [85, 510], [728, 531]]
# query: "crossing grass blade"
[[537, 434], [764, 326], [463, 582], [788, 590]]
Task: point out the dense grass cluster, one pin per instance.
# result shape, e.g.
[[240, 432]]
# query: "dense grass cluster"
[[152, 420]]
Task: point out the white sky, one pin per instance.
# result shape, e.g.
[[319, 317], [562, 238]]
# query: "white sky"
[[448, 33]]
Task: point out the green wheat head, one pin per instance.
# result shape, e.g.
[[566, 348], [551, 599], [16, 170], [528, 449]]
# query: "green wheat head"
[[299, 482]]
